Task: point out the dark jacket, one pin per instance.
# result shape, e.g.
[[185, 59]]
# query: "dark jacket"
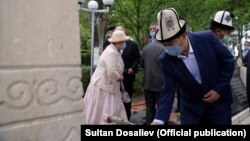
[[131, 58]]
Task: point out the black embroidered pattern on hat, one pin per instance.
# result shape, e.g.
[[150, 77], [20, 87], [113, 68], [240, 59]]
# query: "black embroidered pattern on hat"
[[170, 26], [169, 23], [228, 18]]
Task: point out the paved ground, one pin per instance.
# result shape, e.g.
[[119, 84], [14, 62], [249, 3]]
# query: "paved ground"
[[138, 116]]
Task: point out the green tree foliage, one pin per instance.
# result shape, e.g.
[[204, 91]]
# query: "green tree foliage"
[[85, 30], [136, 15], [242, 12], [199, 13], [85, 77]]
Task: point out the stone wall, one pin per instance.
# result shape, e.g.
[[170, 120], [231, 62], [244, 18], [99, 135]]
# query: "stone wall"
[[40, 76]]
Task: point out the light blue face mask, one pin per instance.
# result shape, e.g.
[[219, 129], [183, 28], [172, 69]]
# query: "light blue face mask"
[[174, 50], [123, 46], [226, 38], [246, 47], [152, 34]]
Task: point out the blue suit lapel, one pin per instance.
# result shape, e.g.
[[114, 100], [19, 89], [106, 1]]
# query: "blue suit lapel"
[[199, 55]]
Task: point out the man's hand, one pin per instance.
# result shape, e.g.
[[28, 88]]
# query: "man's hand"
[[211, 97], [155, 123], [130, 71]]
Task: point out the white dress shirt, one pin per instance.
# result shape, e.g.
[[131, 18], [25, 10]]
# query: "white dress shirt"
[[191, 63]]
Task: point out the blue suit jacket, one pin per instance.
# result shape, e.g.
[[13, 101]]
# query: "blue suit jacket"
[[216, 65]]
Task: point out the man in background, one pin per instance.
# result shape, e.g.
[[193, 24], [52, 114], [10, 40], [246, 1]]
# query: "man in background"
[[108, 35], [222, 26], [153, 75], [245, 52], [131, 58], [152, 30], [109, 32]]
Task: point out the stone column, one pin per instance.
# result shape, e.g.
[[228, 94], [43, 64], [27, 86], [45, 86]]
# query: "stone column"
[[40, 76]]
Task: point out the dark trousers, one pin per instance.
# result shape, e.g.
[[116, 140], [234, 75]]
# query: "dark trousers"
[[151, 99], [205, 121], [212, 117], [129, 88]]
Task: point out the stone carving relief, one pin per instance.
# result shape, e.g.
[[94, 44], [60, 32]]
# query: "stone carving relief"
[[74, 88], [20, 93], [72, 133], [48, 92]]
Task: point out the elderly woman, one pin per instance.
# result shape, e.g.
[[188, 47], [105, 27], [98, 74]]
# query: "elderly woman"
[[103, 95]]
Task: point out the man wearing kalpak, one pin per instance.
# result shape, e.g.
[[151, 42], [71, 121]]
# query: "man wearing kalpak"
[[201, 66]]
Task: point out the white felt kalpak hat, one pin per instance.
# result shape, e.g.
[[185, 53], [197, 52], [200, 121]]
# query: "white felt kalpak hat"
[[118, 36], [223, 19], [170, 25]]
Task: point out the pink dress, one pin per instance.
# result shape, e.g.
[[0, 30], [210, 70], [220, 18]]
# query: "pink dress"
[[103, 96]]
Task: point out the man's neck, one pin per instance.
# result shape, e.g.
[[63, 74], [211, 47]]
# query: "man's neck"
[[185, 49]]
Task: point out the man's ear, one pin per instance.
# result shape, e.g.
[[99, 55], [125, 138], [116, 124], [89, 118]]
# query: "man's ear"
[[184, 35], [217, 30]]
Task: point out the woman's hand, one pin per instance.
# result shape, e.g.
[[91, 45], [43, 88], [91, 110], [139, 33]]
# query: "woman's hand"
[[120, 78]]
